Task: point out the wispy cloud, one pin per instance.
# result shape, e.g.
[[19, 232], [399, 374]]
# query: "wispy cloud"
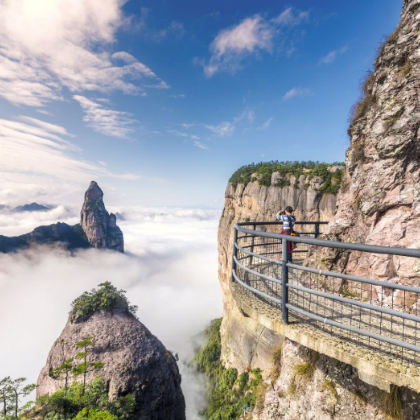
[[106, 121], [332, 55], [53, 46], [34, 149], [223, 129], [178, 133], [185, 125], [266, 124], [296, 91], [291, 18], [179, 96], [252, 36], [200, 145], [194, 137]]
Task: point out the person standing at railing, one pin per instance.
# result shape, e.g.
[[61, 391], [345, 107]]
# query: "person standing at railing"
[[288, 219]]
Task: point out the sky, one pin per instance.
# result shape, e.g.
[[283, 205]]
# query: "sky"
[[160, 102]]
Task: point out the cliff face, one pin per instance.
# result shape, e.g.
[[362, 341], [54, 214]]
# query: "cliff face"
[[135, 362], [379, 202], [97, 228], [245, 343]]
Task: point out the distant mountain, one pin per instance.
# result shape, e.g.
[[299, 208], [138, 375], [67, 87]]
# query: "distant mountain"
[[31, 207], [97, 228]]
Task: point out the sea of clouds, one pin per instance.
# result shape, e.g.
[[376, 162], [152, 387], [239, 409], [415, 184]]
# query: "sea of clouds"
[[169, 271]]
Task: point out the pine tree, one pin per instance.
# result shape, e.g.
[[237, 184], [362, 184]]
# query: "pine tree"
[[87, 344], [5, 394], [63, 371], [17, 389]]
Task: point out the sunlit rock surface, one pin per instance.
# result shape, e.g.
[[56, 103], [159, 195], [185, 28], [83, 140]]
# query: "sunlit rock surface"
[[136, 362]]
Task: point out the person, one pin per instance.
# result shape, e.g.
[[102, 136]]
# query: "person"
[[288, 219]]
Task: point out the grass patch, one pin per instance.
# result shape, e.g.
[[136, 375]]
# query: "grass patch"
[[391, 403], [364, 105], [329, 385], [306, 369], [292, 388], [276, 359], [227, 391]]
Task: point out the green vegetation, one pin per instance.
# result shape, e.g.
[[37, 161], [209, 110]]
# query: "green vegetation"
[[228, 392], [77, 403], [106, 298], [329, 385], [305, 369], [264, 170], [391, 403]]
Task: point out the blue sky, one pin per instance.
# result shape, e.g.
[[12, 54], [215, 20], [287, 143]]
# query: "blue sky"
[[162, 101]]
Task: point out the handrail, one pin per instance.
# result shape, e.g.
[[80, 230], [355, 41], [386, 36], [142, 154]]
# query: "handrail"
[[375, 249], [398, 316]]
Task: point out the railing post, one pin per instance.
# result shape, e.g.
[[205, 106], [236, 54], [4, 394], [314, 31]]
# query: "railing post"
[[251, 259], [284, 281], [234, 253], [316, 230]]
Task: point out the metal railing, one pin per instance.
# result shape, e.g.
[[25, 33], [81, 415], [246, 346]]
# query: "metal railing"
[[368, 312]]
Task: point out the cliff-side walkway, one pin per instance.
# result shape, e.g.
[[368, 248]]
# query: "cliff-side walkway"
[[354, 320]]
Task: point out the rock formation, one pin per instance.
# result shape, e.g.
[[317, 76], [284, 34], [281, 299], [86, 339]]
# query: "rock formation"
[[135, 362], [97, 228], [379, 202], [245, 343]]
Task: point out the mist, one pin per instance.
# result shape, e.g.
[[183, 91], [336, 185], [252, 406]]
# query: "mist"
[[169, 271]]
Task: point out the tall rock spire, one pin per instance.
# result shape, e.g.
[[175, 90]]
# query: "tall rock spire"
[[100, 228]]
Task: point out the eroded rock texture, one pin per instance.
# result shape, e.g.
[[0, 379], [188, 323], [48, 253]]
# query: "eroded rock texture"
[[379, 202], [332, 391], [245, 343], [136, 362], [99, 226]]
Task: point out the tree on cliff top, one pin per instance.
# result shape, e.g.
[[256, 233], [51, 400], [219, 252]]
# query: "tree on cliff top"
[[106, 298]]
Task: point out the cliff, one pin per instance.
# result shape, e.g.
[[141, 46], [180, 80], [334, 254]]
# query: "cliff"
[[134, 361], [380, 199], [97, 229], [378, 202], [245, 343]]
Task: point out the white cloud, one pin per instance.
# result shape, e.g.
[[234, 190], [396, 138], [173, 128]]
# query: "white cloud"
[[290, 18], [252, 36], [194, 137], [187, 125], [200, 145], [105, 121], [159, 273], [178, 133], [45, 45], [332, 55], [247, 115], [181, 95], [231, 45], [34, 157], [223, 129], [296, 91], [266, 124]]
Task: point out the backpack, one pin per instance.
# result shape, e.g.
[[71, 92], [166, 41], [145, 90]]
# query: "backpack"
[[293, 232]]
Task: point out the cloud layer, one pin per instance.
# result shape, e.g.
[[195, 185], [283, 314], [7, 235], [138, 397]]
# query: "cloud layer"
[[47, 45], [169, 271]]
